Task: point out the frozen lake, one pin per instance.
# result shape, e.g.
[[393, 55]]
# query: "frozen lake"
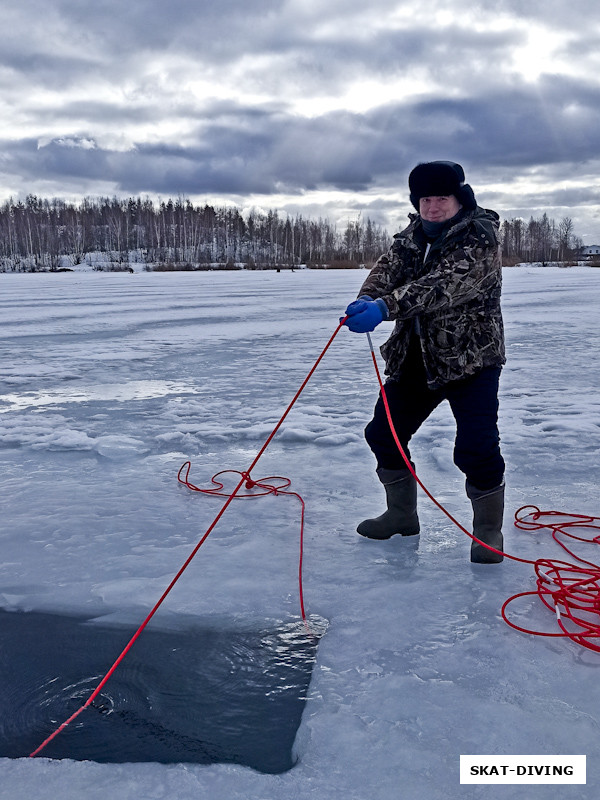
[[109, 382]]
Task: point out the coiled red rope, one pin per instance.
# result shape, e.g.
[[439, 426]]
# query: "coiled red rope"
[[574, 589], [571, 590]]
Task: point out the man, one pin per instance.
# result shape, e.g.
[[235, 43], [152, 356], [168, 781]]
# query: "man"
[[441, 283]]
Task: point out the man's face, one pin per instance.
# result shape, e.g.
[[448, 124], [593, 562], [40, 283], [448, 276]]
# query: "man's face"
[[438, 209]]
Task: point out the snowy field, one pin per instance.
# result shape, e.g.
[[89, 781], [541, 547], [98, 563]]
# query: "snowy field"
[[109, 382]]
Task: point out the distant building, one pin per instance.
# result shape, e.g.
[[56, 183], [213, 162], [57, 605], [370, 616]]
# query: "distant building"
[[592, 250]]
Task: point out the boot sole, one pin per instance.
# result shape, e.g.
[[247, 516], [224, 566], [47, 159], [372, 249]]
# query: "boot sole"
[[385, 538], [490, 558]]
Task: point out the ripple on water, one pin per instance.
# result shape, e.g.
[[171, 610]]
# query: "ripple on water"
[[198, 695]]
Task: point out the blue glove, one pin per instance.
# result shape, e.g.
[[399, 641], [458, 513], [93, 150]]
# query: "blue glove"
[[365, 314]]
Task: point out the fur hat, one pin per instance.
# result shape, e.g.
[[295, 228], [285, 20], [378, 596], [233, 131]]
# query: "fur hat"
[[439, 179]]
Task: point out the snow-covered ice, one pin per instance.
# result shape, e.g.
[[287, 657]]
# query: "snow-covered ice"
[[109, 382]]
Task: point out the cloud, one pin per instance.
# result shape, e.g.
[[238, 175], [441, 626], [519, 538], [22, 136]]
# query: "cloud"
[[249, 100], [234, 149]]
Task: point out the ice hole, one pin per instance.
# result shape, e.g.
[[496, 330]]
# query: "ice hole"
[[194, 694]]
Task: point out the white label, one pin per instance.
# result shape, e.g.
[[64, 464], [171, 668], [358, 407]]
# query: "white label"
[[522, 769]]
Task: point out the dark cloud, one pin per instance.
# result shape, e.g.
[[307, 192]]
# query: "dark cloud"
[[240, 149], [553, 121]]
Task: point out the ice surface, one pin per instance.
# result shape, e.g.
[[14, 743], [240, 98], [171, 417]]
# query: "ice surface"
[[109, 382]]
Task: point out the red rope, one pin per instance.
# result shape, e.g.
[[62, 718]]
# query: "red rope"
[[244, 479]]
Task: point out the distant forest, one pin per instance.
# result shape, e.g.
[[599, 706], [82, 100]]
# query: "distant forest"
[[39, 234], [539, 240]]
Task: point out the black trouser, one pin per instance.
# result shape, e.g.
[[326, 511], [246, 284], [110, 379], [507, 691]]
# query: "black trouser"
[[474, 404]]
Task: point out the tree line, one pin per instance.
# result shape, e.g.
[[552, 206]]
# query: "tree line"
[[538, 240], [40, 234]]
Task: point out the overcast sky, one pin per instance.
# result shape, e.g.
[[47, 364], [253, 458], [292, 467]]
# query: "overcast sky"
[[314, 106]]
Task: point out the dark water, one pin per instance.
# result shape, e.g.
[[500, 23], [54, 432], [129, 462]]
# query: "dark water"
[[193, 695]]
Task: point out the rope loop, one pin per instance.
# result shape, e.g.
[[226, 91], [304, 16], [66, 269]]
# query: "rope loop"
[[570, 589]]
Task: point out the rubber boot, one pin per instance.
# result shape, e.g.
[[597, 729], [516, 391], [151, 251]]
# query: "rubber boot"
[[488, 512], [401, 515]]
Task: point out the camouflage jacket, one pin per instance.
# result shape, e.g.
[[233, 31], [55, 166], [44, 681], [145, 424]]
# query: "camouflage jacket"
[[450, 298]]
